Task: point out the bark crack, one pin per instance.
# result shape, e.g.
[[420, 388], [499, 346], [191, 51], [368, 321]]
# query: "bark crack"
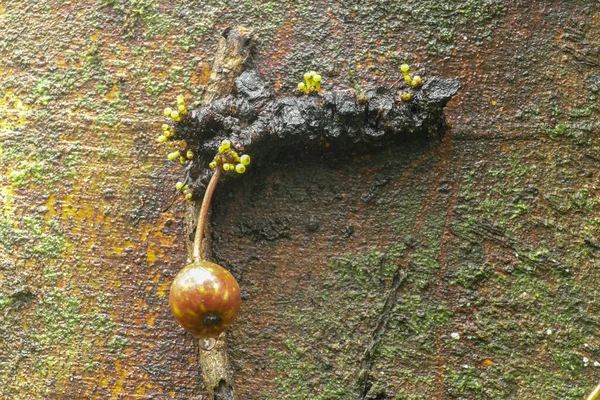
[[366, 364], [475, 231]]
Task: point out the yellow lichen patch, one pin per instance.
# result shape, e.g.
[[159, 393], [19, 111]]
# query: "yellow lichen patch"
[[141, 303], [487, 362], [113, 92], [122, 374], [143, 386], [50, 205], [119, 248], [141, 389], [24, 324], [203, 76], [153, 230], [277, 84], [72, 208], [7, 198], [94, 36], [13, 112], [162, 290], [151, 257], [151, 319]]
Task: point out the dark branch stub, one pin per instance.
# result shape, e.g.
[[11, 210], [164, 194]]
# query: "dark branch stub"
[[261, 124]]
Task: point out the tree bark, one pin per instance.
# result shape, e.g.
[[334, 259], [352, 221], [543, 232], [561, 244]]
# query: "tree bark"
[[498, 221]]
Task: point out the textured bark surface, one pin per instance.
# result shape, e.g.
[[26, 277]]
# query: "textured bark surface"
[[465, 268]]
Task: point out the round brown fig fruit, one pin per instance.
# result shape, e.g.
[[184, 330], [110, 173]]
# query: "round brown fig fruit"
[[205, 299]]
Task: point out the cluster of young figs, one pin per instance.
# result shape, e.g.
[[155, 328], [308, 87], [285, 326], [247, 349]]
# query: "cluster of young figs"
[[183, 153], [227, 158], [414, 82], [312, 82]]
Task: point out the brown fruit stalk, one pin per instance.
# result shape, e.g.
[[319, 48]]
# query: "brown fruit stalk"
[[204, 297]]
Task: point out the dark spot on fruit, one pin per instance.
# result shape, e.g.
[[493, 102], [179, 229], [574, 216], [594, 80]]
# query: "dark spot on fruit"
[[211, 319]]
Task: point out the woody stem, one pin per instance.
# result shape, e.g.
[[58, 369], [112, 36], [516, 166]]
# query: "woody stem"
[[203, 216]]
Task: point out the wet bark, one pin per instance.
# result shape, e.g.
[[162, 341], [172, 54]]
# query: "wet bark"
[[496, 220]]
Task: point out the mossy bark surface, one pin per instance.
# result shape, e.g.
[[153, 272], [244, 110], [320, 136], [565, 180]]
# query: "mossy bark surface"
[[477, 253]]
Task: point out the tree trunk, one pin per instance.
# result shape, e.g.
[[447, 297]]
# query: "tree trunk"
[[455, 266]]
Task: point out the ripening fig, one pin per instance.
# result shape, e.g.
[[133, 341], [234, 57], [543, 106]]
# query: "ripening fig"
[[205, 299]]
